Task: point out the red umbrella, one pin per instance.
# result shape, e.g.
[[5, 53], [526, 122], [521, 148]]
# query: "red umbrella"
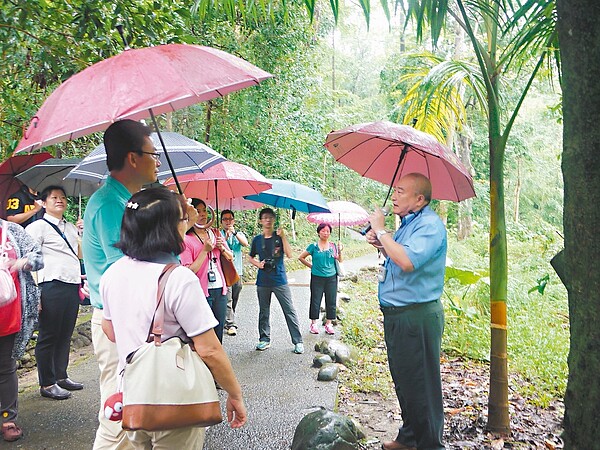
[[225, 180], [132, 84], [135, 84], [10, 168], [385, 151], [342, 214]]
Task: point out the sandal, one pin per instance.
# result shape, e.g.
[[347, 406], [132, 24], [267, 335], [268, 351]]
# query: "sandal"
[[11, 432]]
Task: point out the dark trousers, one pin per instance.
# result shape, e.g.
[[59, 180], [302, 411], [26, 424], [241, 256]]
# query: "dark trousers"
[[413, 336], [8, 379], [318, 287], [60, 305], [218, 304], [233, 295]]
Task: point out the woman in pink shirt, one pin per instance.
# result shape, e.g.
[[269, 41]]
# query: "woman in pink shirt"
[[202, 254]]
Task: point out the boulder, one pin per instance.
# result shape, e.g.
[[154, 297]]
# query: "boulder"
[[326, 430], [320, 360], [328, 372]]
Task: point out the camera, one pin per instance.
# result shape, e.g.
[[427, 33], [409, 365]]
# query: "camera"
[[269, 264], [211, 276]]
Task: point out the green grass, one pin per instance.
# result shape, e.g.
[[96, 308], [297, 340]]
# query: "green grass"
[[538, 325]]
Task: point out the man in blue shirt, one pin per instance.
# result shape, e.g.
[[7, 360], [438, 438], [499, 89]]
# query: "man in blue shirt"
[[270, 247], [410, 286], [132, 162]]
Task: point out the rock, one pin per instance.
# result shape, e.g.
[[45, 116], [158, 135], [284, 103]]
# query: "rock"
[[338, 351], [326, 430], [320, 360], [343, 296], [328, 372], [346, 355]]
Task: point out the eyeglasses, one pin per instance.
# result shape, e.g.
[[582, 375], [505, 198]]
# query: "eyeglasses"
[[156, 156], [226, 219], [185, 219]]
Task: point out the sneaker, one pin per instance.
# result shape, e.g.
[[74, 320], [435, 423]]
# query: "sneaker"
[[11, 432], [262, 345], [232, 331], [329, 329], [299, 348], [313, 328]]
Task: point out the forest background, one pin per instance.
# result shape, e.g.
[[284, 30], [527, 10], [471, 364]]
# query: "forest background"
[[326, 78]]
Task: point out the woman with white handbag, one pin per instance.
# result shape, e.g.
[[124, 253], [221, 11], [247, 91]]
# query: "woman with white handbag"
[[152, 233], [19, 255]]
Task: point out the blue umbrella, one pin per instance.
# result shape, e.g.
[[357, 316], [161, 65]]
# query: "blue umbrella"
[[291, 195], [187, 156]]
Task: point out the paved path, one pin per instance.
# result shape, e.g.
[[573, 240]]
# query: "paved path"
[[279, 386]]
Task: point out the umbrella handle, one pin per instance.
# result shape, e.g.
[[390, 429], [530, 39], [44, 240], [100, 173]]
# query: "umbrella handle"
[[208, 225]]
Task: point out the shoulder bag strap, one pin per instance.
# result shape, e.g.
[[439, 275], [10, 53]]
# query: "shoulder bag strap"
[[156, 327], [61, 234]]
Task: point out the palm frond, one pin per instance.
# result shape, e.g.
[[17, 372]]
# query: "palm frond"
[[426, 13], [435, 95]]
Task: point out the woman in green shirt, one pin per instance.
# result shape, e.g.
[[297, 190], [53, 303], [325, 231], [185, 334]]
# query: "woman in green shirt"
[[323, 277]]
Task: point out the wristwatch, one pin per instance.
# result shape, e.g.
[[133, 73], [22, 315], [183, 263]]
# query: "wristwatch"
[[380, 233], [234, 233]]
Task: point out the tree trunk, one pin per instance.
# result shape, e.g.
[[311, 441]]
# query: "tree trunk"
[[517, 191], [462, 143], [578, 29], [498, 417]]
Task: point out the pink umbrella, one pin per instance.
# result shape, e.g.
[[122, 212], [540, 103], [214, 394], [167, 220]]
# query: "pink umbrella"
[[225, 180], [385, 151], [234, 204], [342, 214], [135, 84]]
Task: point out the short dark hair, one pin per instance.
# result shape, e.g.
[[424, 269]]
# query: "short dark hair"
[[47, 190], [266, 211], [323, 225], [227, 211], [121, 138], [151, 225], [197, 201]]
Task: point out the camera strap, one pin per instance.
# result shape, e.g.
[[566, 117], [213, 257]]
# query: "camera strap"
[[264, 246]]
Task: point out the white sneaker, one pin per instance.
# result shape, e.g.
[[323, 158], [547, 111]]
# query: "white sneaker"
[[299, 348]]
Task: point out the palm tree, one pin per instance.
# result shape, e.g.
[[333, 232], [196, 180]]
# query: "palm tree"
[[503, 40]]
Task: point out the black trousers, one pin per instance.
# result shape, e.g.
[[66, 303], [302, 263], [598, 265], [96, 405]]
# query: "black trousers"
[[413, 336], [318, 287], [60, 305]]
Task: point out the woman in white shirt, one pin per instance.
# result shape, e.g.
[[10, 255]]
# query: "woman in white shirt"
[[152, 233]]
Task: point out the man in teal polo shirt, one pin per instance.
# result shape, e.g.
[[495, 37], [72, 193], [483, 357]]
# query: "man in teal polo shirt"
[[411, 282], [132, 162]]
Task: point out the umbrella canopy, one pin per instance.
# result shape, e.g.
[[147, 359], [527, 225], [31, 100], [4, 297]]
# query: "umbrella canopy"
[[385, 151], [342, 214], [234, 204], [291, 195], [52, 172], [133, 85], [10, 168], [225, 180], [187, 156]]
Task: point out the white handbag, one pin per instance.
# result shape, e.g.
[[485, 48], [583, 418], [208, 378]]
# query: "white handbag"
[[8, 290]]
